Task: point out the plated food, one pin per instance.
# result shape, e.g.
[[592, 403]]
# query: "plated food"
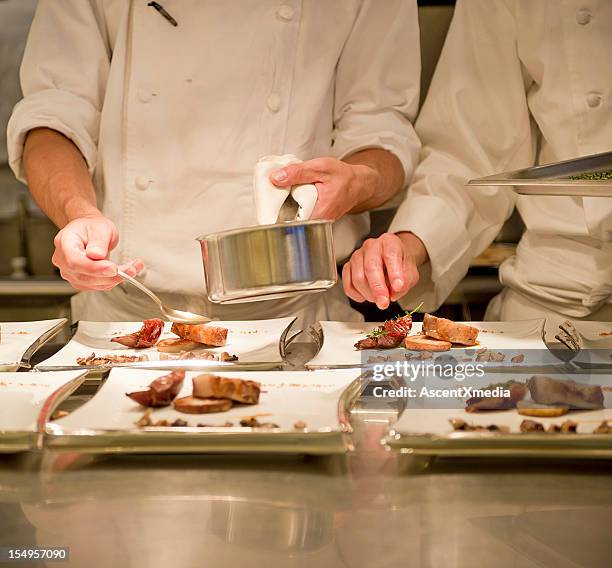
[[29, 399], [19, 341], [153, 343], [211, 393], [539, 415], [497, 344], [263, 411]]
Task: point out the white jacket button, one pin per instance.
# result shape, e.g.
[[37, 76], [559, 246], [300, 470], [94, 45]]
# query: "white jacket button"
[[583, 17], [142, 182], [143, 95], [274, 102], [285, 13], [594, 99]]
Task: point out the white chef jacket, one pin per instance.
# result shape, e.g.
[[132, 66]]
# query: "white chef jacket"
[[518, 83], [171, 120]]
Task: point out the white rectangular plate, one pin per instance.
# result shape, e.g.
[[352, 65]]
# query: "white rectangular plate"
[[596, 343], [428, 430], [27, 401], [19, 340], [321, 399], [337, 342], [259, 343]]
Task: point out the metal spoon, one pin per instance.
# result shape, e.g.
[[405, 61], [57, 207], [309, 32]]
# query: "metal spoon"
[[178, 316]]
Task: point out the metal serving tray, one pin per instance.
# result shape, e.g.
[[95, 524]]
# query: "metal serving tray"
[[72, 433], [552, 179]]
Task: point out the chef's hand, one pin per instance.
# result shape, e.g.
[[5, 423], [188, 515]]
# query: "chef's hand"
[[384, 269], [81, 254], [340, 185]]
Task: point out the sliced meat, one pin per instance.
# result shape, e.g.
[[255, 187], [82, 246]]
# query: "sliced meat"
[[447, 330], [193, 405], [161, 391], [389, 340], [201, 333], [367, 343], [420, 342], [518, 391], [145, 337], [176, 345], [213, 386], [530, 408], [565, 392]]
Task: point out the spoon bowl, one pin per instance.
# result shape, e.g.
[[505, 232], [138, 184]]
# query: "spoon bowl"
[[177, 316]]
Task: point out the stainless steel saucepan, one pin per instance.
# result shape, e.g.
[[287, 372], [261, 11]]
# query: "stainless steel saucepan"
[[269, 261]]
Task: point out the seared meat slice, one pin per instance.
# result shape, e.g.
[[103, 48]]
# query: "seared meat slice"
[[201, 333], [447, 330], [367, 343], [213, 386], [565, 392], [161, 391], [193, 405], [145, 337], [420, 342], [517, 393]]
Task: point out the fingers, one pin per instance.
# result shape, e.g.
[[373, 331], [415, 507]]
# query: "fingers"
[[311, 171], [375, 274], [101, 239], [70, 256], [359, 280], [349, 289], [82, 281], [381, 271], [81, 251]]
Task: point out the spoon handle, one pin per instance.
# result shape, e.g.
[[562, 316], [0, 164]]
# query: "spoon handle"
[[141, 287]]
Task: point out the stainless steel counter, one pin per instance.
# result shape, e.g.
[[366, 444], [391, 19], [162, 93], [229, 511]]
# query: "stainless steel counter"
[[368, 509]]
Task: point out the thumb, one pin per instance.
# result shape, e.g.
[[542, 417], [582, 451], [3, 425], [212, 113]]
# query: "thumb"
[[295, 174], [101, 239]]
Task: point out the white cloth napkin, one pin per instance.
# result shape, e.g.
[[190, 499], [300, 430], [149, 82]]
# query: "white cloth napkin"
[[348, 231], [269, 198]]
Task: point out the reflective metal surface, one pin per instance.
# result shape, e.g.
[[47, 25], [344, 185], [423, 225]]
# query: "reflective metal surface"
[[372, 509], [552, 179], [269, 262]]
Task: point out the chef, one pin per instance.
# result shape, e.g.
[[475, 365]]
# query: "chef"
[[517, 84], [141, 123]]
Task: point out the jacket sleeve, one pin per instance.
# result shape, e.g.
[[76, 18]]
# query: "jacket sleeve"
[[377, 83], [475, 122], [63, 78]]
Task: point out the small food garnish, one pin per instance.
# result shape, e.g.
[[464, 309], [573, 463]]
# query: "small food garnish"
[[94, 360], [145, 419], [604, 428], [531, 426], [300, 425]]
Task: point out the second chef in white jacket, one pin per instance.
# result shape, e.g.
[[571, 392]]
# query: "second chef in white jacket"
[[171, 119], [518, 83]]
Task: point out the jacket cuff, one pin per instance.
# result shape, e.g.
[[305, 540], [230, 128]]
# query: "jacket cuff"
[[388, 131], [62, 111], [445, 239]]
